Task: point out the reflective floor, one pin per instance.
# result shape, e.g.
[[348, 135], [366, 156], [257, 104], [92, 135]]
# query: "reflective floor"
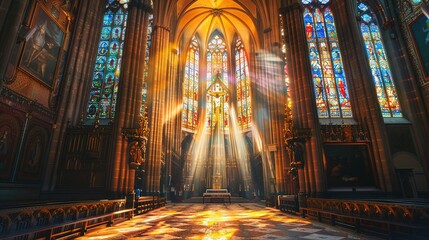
[[220, 221]]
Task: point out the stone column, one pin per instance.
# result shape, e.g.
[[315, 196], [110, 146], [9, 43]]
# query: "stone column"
[[77, 78], [129, 94], [9, 34], [173, 115], [302, 95], [157, 86], [363, 95]]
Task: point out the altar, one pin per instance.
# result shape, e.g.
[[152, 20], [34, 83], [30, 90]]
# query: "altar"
[[216, 195]]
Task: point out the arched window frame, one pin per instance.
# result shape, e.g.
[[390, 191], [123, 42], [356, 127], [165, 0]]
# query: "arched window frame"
[[329, 80], [146, 62], [285, 65], [242, 81], [190, 86], [106, 75], [217, 60], [378, 62]]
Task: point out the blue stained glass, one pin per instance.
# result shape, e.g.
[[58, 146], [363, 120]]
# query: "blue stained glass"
[[366, 18], [116, 33], [108, 18], [102, 99], [114, 47], [103, 46], [380, 70], [105, 33], [119, 19], [190, 86], [362, 7], [330, 87]]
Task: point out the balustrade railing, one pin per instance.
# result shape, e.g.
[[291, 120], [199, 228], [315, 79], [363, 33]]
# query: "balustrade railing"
[[385, 218]]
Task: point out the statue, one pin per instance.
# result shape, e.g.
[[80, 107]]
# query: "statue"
[[136, 155]]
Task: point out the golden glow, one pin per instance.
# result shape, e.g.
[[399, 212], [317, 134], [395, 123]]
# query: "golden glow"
[[171, 115], [196, 221]]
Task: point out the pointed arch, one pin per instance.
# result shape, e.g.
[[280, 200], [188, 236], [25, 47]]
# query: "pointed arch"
[[217, 106], [190, 86], [329, 80], [378, 63], [106, 75], [242, 82]]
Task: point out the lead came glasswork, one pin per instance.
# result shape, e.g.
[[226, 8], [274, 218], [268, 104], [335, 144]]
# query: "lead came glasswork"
[[104, 87], [190, 86], [244, 109], [217, 108], [380, 70], [329, 81]]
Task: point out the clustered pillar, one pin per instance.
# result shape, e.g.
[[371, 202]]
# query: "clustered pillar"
[[157, 85], [130, 93], [303, 104]]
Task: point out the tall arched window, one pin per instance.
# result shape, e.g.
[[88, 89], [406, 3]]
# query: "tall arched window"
[[380, 70], [242, 80], [104, 86], [217, 106], [146, 60], [285, 68], [190, 86], [330, 86]]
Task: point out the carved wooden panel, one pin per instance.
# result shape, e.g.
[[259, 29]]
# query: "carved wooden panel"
[[84, 159], [34, 156], [10, 129]]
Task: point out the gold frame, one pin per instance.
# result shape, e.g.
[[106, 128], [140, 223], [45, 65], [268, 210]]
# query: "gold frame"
[[40, 58]]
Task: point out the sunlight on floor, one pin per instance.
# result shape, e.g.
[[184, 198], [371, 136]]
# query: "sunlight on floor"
[[219, 222]]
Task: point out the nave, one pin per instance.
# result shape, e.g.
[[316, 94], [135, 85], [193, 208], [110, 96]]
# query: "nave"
[[220, 221]]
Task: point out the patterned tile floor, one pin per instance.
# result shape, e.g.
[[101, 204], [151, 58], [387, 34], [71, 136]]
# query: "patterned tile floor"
[[220, 221]]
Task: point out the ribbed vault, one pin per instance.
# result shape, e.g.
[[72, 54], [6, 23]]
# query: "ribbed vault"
[[202, 17]]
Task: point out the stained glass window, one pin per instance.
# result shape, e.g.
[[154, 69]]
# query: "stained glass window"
[[242, 80], [190, 86], [146, 60], [104, 86], [380, 70], [285, 67], [217, 106], [329, 80]]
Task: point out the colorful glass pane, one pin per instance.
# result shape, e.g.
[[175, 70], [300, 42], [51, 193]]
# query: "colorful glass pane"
[[217, 96], [323, 1], [104, 86], [380, 70], [190, 86], [146, 61], [244, 108], [285, 68], [329, 81]]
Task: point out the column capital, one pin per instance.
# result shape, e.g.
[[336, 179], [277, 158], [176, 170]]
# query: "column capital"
[[155, 27], [144, 5]]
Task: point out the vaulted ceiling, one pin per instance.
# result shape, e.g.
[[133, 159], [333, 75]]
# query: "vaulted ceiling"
[[229, 17]]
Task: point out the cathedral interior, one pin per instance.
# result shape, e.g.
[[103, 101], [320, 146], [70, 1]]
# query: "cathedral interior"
[[300, 105]]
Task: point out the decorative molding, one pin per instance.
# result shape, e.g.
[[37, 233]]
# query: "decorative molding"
[[343, 133], [138, 138], [21, 103]]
